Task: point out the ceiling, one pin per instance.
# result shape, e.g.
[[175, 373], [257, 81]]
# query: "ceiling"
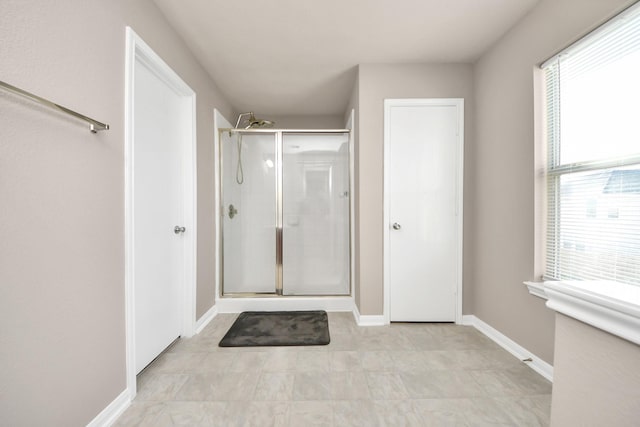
[[298, 57]]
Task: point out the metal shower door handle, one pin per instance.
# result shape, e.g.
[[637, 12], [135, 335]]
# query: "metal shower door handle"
[[177, 229], [396, 226]]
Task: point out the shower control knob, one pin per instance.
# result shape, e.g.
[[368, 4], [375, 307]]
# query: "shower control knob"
[[232, 211], [396, 226], [177, 229]]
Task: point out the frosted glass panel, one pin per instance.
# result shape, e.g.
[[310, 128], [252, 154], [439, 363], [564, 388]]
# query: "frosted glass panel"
[[248, 230], [315, 187]]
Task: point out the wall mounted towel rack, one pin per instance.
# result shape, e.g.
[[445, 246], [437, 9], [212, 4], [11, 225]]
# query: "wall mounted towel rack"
[[94, 125]]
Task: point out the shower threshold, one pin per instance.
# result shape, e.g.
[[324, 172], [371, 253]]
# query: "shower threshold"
[[273, 302]]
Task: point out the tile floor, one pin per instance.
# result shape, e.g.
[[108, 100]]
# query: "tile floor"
[[398, 375]]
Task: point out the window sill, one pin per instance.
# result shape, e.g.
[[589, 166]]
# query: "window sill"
[[536, 289], [610, 306]]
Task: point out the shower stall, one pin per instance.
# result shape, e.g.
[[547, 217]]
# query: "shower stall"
[[285, 212]]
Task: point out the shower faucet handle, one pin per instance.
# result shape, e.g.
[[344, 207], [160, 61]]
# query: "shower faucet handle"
[[232, 211]]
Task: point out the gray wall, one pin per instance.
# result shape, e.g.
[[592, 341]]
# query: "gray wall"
[[596, 378], [376, 82], [503, 221], [306, 122], [62, 341]]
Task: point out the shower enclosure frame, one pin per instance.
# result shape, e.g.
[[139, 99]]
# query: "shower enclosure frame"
[[278, 134]]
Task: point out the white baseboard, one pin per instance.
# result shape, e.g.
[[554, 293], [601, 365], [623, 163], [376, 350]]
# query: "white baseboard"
[[206, 318], [537, 364], [110, 414], [367, 320], [238, 305]]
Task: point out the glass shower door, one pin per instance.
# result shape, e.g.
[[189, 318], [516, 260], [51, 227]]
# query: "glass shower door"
[[315, 222], [248, 213]]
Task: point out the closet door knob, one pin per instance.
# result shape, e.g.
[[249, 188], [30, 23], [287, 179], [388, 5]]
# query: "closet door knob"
[[179, 229], [396, 226]]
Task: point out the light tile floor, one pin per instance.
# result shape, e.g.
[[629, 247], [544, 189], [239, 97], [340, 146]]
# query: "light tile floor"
[[397, 375]]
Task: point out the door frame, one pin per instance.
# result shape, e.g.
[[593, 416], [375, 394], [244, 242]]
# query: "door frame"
[[408, 102], [138, 50]]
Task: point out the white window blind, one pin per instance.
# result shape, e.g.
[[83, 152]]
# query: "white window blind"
[[593, 155]]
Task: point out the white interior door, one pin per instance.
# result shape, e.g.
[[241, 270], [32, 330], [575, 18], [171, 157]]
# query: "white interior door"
[[158, 207], [423, 183]]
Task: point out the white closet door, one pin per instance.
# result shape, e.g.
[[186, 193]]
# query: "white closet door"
[[423, 241]]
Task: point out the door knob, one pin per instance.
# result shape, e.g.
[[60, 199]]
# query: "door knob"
[[396, 226], [177, 229]]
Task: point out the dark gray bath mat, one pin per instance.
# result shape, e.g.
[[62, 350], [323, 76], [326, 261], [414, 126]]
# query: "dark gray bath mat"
[[278, 328]]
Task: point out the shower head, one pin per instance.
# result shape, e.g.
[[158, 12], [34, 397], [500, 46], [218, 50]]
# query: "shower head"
[[260, 124], [252, 122]]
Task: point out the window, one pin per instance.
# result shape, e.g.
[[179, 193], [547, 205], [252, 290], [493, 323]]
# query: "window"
[[593, 155]]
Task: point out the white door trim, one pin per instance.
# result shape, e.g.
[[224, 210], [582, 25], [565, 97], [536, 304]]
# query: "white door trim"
[[137, 49], [459, 104]]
